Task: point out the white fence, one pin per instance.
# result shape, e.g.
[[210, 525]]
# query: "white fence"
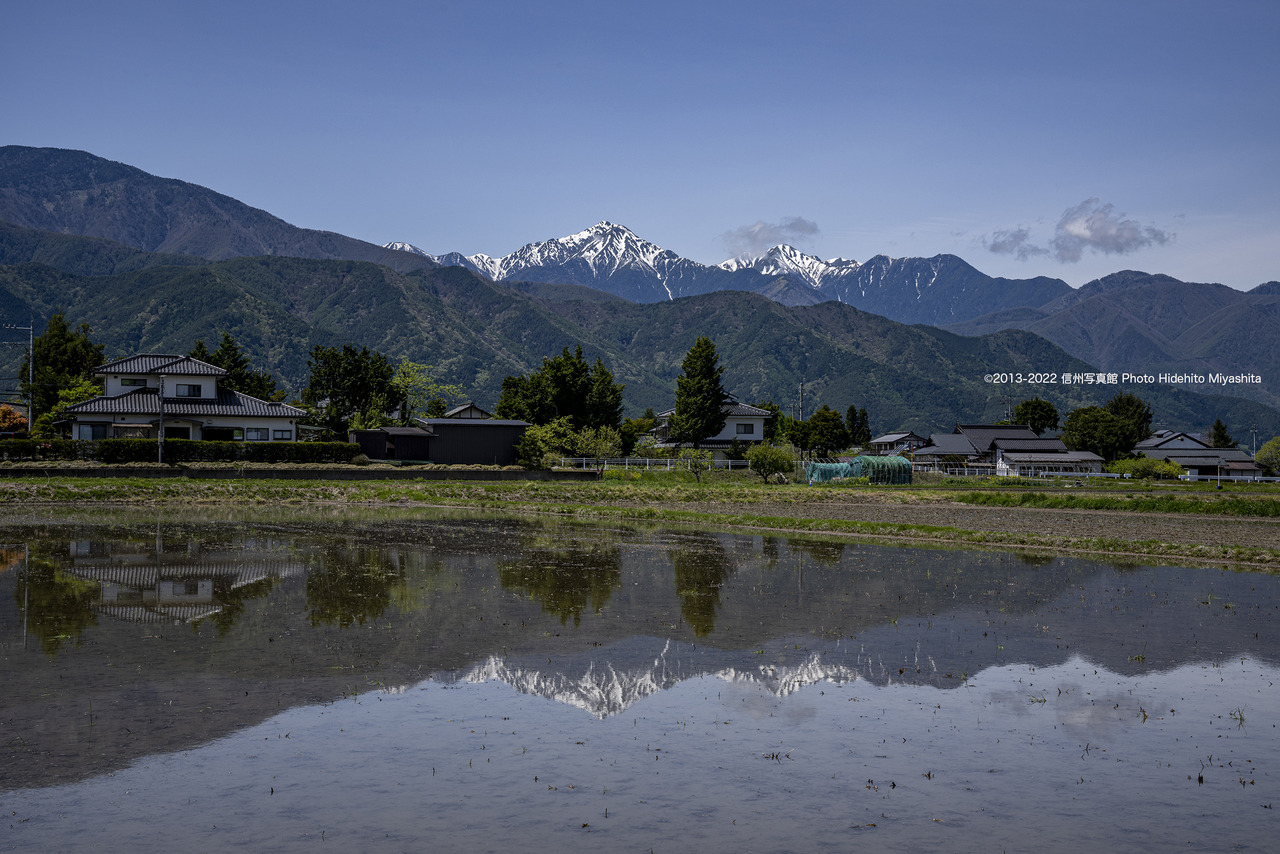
[[645, 464]]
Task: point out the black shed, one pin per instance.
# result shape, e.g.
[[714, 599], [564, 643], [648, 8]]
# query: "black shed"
[[474, 441], [394, 443]]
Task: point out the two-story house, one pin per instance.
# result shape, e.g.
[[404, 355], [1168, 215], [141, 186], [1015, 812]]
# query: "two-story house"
[[141, 391], [742, 422]]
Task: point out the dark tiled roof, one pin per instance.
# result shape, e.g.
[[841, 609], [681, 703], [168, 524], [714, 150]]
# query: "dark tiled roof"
[[145, 401], [1199, 456], [398, 431], [732, 409], [477, 423], [889, 438], [983, 436], [947, 444], [161, 363], [1063, 457], [1030, 445], [1156, 440]]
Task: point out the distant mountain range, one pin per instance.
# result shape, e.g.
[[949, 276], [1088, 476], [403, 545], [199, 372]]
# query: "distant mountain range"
[[1152, 324], [154, 263], [73, 192], [610, 257]]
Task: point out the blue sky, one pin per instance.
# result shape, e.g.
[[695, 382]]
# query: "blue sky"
[[1068, 139]]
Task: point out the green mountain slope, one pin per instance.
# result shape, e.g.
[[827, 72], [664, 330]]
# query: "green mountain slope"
[[477, 332], [1139, 323]]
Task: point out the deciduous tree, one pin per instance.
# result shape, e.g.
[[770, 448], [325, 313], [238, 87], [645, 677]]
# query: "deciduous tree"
[[1038, 414], [770, 460], [1269, 456], [345, 383], [1135, 413], [1092, 428], [564, 387]]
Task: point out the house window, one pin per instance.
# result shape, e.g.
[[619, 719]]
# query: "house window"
[[746, 429], [222, 434], [282, 435], [185, 390], [90, 432], [257, 434], [133, 382]]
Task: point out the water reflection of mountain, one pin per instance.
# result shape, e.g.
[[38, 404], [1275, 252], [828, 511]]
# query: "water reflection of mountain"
[[610, 683], [352, 606]]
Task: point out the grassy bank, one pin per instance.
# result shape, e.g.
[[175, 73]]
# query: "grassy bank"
[[900, 514], [1261, 506]]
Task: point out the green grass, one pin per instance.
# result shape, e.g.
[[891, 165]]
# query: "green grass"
[[727, 502], [1226, 506]]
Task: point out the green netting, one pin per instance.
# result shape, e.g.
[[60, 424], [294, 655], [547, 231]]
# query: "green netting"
[[874, 469]]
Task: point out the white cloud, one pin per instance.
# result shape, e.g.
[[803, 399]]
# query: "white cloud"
[[1090, 225], [757, 238], [1097, 227]]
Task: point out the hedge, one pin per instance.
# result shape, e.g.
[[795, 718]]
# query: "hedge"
[[114, 451]]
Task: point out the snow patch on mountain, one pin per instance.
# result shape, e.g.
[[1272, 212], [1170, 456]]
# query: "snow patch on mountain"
[[603, 690], [784, 260]]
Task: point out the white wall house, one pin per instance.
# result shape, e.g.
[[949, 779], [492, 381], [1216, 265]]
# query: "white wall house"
[[742, 422], [193, 404]]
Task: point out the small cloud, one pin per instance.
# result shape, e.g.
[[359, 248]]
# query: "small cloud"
[[1089, 225], [756, 239], [1016, 242], [1097, 227]]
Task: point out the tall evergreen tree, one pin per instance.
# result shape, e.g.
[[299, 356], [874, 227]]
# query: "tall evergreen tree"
[[862, 436], [64, 357], [1219, 437], [346, 383], [604, 399], [240, 374], [827, 431], [771, 423], [700, 396]]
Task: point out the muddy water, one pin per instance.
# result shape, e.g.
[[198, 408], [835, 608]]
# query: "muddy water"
[[396, 681]]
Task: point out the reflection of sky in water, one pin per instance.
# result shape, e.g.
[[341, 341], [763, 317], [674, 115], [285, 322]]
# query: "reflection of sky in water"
[[721, 692], [719, 765]]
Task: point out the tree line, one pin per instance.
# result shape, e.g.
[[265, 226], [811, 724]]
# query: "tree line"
[[575, 407]]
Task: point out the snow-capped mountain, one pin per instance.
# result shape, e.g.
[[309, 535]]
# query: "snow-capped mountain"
[[601, 688], [610, 257], [784, 260], [607, 257]]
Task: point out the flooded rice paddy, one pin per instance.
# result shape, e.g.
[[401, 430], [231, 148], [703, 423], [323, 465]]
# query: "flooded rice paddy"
[[403, 680]]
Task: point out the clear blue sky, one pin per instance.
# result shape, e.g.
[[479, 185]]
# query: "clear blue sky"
[[1069, 139]]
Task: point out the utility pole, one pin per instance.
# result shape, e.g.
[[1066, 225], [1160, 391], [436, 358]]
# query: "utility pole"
[[30, 329], [160, 425]]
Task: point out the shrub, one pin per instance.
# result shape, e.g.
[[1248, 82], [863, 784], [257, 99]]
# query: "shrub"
[[1146, 468], [768, 460], [118, 451]]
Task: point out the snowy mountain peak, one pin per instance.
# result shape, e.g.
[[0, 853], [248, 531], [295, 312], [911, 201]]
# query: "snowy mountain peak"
[[407, 247], [784, 260]]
